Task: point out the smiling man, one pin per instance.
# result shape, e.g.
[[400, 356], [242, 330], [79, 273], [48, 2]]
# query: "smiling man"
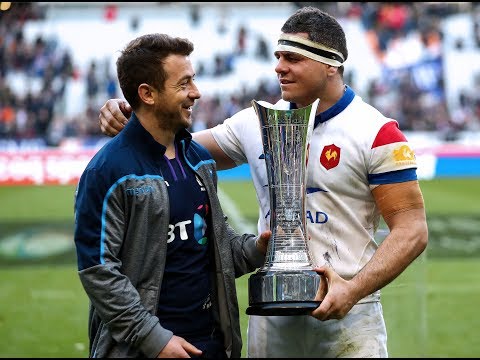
[[155, 255]]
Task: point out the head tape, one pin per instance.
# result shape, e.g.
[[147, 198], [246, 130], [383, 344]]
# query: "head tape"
[[310, 49]]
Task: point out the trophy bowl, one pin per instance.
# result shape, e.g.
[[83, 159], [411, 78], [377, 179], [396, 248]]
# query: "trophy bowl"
[[286, 284]]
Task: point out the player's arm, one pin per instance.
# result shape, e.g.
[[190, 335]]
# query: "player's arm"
[[402, 208], [206, 138], [114, 116]]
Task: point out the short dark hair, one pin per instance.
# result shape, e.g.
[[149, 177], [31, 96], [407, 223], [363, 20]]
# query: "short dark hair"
[[320, 26], [141, 61]]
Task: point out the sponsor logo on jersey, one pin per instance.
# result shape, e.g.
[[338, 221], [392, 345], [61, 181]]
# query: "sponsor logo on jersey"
[[199, 227], [403, 154], [330, 156], [134, 191]]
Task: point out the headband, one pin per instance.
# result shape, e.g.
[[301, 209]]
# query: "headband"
[[310, 49]]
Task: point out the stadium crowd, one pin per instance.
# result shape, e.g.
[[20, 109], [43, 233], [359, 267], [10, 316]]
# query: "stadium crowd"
[[38, 110]]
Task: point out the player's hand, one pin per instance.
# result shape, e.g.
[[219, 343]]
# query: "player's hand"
[[335, 293], [178, 347], [262, 241], [114, 116]]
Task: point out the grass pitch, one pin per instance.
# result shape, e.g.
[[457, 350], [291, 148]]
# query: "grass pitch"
[[430, 310]]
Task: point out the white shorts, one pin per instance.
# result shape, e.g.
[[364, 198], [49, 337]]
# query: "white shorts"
[[361, 333]]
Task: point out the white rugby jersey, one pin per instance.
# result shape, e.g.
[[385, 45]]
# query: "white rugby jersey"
[[353, 148]]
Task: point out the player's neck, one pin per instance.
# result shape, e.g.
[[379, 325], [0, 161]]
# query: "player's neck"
[[331, 97]]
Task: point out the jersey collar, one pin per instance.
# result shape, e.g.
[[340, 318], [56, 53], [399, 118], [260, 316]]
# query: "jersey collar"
[[334, 110]]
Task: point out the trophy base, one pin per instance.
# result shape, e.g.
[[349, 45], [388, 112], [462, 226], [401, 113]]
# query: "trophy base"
[[283, 292], [285, 308]]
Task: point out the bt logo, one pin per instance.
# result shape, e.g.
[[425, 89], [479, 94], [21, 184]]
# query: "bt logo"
[[199, 227]]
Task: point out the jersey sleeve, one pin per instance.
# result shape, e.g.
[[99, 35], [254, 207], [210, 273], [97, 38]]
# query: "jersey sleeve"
[[392, 159], [233, 133]]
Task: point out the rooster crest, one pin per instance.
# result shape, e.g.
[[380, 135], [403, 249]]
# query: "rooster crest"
[[329, 154]]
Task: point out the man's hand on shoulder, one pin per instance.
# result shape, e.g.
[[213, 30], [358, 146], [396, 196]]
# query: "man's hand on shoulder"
[[114, 116]]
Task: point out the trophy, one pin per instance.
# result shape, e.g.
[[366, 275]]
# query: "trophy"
[[286, 284]]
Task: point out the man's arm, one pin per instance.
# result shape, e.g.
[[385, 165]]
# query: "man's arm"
[[114, 116], [402, 208], [206, 138]]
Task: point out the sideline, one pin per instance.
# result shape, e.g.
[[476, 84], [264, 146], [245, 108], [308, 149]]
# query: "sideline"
[[235, 217]]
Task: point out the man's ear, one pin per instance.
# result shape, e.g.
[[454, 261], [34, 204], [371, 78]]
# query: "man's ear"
[[332, 70], [145, 93]]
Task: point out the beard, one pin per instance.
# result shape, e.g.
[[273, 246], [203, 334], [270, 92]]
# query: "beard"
[[172, 120]]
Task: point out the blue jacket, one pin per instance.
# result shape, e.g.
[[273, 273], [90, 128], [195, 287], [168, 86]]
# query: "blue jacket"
[[121, 226]]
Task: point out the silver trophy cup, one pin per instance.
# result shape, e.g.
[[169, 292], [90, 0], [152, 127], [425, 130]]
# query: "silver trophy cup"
[[286, 284]]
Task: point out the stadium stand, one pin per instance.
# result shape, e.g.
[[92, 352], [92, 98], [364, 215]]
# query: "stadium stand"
[[418, 62]]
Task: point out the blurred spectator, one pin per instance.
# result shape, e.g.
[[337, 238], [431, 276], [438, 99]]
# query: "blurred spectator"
[[134, 23], [92, 81], [111, 87], [476, 26], [241, 41], [412, 90], [110, 12], [194, 15], [263, 51]]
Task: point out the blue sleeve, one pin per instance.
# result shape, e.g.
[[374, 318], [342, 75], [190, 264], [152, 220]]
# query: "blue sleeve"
[[392, 177]]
